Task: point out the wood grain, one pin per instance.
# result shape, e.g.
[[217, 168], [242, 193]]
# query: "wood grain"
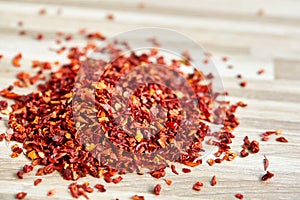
[[226, 28]]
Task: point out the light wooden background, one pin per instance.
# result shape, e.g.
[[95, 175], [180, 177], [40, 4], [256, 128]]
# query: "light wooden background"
[[230, 28]]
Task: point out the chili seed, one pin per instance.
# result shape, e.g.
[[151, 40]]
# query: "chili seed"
[[239, 196], [37, 181], [266, 163]]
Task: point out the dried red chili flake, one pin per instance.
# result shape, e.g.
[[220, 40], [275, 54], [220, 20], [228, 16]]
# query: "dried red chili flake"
[[21, 195], [197, 186], [224, 59], [42, 11], [174, 169], [157, 189], [42, 65], [205, 61], [243, 84], [282, 139], [213, 181], [168, 182], [27, 168], [96, 35], [1, 56], [100, 187], [2, 137], [244, 153], [267, 176], [51, 193], [20, 174], [239, 196], [186, 170], [158, 173], [265, 139], [39, 36], [266, 163], [239, 76], [260, 72], [117, 180], [3, 105], [136, 197], [254, 147], [16, 60], [68, 37], [210, 162], [37, 181], [230, 66], [22, 32], [110, 17]]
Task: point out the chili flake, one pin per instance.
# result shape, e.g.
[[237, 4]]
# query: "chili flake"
[[282, 139], [157, 189], [213, 181], [21, 195], [239, 196], [37, 181], [16, 60], [267, 176], [197, 186], [51, 193], [266, 163], [136, 197]]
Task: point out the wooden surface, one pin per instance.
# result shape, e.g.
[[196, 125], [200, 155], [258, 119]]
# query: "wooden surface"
[[230, 28]]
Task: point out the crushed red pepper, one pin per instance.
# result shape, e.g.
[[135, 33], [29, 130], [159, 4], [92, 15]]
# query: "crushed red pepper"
[[213, 181], [239, 196], [137, 197], [267, 176], [282, 139], [197, 186], [16, 60], [21, 195], [37, 181], [266, 163], [157, 189], [51, 193], [168, 182]]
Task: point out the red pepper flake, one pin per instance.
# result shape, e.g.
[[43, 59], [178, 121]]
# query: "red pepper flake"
[[243, 84], [267, 176], [218, 160], [261, 71], [51, 193], [282, 139], [254, 147], [136, 197], [27, 168], [22, 32], [20, 23], [39, 36], [2, 137], [265, 139], [100, 187], [68, 37], [224, 59], [186, 170], [110, 17], [197, 186], [168, 182], [239, 76], [21, 195], [42, 11], [3, 105], [20, 174], [239, 196], [16, 60], [117, 180], [244, 153], [266, 163], [210, 162], [213, 181], [37, 181], [157, 189], [1, 56], [205, 61], [96, 35], [174, 169]]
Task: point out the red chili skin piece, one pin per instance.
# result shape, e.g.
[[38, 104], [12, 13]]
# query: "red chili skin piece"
[[213, 181], [197, 186], [157, 189], [267, 176], [21, 195], [239, 196], [282, 139]]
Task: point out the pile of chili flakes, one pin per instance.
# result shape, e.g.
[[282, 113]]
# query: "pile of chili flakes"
[[43, 121]]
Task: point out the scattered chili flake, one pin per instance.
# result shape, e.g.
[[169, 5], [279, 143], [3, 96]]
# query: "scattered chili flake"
[[39, 36], [157, 189], [1, 56], [205, 61], [136, 197], [100, 187], [96, 35], [141, 5], [37, 181], [51, 193], [110, 17], [254, 147], [117, 180], [16, 60], [243, 84], [197, 186], [168, 182], [174, 169], [2, 137], [20, 174], [224, 58], [239, 196], [27, 168], [21, 195], [68, 37], [267, 176], [266, 163], [213, 181], [261, 71], [42, 11], [281, 139], [239, 76], [186, 170], [22, 32], [3, 105], [265, 139]]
